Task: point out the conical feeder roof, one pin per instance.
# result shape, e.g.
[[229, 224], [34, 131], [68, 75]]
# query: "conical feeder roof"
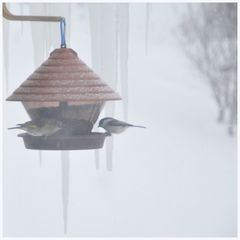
[[65, 87], [63, 77]]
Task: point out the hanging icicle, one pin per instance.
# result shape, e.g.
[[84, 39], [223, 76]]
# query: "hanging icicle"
[[22, 13], [6, 54], [103, 29], [68, 33], [111, 73], [39, 40], [38, 33], [95, 31], [109, 28], [109, 153], [46, 36], [53, 31], [65, 186], [123, 21], [48, 41], [95, 24], [97, 159], [40, 158], [148, 10], [63, 9]]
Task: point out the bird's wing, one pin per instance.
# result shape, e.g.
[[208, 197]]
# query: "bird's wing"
[[41, 122], [116, 123], [32, 124]]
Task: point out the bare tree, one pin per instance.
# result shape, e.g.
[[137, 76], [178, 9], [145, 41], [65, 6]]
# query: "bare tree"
[[209, 33]]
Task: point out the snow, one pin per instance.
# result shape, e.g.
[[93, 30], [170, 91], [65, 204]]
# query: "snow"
[[176, 178]]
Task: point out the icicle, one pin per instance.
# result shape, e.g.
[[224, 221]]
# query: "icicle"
[[22, 13], [97, 158], [44, 37], [123, 37], [52, 29], [68, 33], [109, 142], [109, 65], [47, 32], [103, 24], [109, 153], [40, 157], [63, 10], [104, 39], [94, 16], [53, 41], [110, 108], [6, 53], [148, 9], [38, 36], [95, 31], [65, 186]]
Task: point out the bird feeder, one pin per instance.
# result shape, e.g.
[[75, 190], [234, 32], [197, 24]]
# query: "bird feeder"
[[65, 88]]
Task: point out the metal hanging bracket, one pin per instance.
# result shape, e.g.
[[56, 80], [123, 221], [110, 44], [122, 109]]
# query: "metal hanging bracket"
[[9, 16]]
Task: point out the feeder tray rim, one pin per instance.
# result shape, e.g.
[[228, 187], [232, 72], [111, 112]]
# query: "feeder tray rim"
[[92, 140]]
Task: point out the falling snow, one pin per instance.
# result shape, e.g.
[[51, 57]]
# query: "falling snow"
[[175, 178]]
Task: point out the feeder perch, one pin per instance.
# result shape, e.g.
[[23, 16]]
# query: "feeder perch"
[[64, 87]]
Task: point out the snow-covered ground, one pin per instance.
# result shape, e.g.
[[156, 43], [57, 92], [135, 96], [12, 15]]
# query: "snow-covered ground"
[[176, 178]]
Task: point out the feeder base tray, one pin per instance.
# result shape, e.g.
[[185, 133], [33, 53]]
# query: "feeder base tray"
[[78, 142]]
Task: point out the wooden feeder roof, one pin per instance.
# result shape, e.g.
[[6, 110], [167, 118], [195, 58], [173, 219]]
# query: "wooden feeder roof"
[[63, 77]]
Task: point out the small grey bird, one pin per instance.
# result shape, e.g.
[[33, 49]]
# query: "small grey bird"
[[115, 126], [40, 127]]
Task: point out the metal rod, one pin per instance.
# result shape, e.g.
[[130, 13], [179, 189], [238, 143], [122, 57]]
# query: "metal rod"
[[8, 15]]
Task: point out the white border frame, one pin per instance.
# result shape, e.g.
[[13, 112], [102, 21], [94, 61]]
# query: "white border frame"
[[125, 238]]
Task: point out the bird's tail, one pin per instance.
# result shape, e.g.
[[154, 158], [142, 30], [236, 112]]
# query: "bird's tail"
[[138, 126], [15, 127]]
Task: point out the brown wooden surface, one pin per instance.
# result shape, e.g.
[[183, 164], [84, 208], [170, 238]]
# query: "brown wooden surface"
[[63, 78]]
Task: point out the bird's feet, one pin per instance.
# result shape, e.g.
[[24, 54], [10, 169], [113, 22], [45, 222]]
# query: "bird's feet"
[[108, 134]]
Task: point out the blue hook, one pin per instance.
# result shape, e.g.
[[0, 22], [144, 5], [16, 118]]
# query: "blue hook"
[[62, 29]]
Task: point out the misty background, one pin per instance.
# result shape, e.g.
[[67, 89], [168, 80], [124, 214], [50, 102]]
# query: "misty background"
[[175, 65]]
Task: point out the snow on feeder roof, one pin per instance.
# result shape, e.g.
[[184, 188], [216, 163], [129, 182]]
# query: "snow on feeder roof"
[[63, 77], [65, 88]]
